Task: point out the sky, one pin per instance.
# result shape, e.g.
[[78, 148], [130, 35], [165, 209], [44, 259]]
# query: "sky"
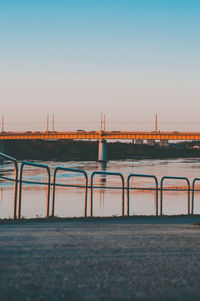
[[129, 59]]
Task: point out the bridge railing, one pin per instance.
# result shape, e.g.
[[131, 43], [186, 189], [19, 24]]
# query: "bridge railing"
[[19, 181]]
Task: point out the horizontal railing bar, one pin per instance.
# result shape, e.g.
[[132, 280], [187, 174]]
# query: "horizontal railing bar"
[[158, 189], [33, 182], [6, 178], [8, 157], [100, 187]]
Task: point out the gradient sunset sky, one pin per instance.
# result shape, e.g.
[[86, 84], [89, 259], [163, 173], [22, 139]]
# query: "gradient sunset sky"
[[128, 59]]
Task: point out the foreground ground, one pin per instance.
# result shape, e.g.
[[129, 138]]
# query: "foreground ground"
[[100, 259]]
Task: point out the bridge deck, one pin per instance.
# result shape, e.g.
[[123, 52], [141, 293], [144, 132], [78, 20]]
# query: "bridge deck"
[[112, 135]]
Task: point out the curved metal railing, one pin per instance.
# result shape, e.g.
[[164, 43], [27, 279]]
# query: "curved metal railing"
[[118, 174], [44, 166], [15, 180], [193, 192], [19, 181], [128, 189], [161, 191], [54, 186]]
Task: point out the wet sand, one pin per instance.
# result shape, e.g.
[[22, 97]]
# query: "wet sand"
[[101, 259]]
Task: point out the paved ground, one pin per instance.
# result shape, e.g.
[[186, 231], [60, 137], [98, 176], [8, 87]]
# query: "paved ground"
[[101, 259]]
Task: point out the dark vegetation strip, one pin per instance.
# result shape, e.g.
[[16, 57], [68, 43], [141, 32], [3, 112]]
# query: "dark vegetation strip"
[[65, 150]]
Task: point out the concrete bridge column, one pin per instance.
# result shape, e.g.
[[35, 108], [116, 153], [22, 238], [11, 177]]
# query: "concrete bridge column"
[[2, 147], [151, 142], [163, 142], [102, 155]]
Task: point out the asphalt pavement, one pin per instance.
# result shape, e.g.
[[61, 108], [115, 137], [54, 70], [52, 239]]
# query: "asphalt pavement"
[[101, 259]]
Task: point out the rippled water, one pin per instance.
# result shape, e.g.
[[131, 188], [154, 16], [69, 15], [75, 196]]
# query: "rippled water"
[[69, 201]]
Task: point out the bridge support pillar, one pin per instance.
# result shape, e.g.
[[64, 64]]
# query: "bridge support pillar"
[[163, 142], [102, 155], [151, 142], [2, 147]]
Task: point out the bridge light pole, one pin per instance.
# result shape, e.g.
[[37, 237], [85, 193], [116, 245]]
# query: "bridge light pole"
[[47, 122], [156, 123], [2, 123], [53, 123], [2, 143]]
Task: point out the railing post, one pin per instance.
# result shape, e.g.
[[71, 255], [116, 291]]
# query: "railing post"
[[193, 190], [53, 193], [91, 195], [193, 183], [161, 197]]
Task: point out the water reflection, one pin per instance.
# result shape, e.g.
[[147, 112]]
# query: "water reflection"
[[1, 193], [102, 183], [102, 177]]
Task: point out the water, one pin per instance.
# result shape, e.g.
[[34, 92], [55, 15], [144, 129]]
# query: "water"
[[69, 201]]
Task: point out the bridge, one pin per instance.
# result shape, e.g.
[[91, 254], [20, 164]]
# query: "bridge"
[[99, 135], [102, 136]]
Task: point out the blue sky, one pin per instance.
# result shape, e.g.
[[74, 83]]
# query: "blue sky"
[[76, 59]]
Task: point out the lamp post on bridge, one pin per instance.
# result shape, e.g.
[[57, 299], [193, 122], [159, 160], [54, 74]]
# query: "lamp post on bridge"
[[2, 123]]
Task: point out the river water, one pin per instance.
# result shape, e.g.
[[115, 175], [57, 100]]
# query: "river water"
[[69, 201]]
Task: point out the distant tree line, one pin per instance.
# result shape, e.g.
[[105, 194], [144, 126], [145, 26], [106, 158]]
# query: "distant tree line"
[[65, 150]]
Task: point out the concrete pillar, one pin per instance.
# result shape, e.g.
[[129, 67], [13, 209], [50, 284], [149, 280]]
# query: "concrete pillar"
[[151, 142], [2, 147], [163, 142], [138, 141], [102, 155]]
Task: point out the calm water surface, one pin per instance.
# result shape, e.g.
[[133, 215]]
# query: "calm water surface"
[[69, 201]]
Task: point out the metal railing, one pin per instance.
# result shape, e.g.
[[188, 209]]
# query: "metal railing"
[[18, 181], [54, 186], [106, 174], [141, 176], [193, 191], [161, 191], [44, 166], [14, 161]]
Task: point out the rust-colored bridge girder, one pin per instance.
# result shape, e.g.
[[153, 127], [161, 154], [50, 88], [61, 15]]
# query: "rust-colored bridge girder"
[[98, 135]]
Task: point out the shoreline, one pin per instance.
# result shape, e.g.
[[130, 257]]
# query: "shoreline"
[[139, 219]]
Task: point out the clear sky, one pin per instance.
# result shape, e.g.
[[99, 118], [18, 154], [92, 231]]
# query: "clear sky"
[[128, 59]]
